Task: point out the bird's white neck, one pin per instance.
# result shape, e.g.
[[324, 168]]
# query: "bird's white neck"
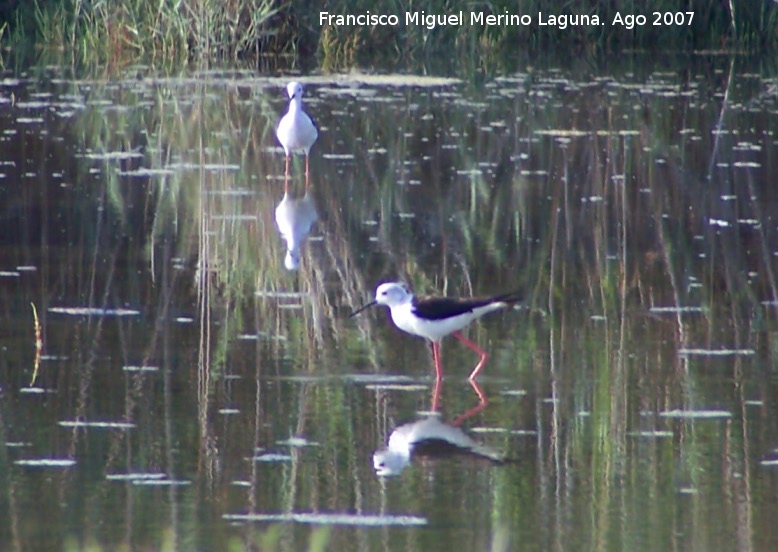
[[295, 105]]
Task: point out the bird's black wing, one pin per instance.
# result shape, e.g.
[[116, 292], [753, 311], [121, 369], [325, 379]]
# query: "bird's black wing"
[[438, 308]]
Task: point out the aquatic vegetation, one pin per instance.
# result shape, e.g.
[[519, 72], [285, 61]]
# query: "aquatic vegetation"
[[166, 30], [343, 33]]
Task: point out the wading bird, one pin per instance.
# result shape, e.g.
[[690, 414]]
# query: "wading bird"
[[435, 317], [296, 131]]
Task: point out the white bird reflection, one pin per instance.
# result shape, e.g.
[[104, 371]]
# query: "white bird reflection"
[[295, 217], [430, 437]]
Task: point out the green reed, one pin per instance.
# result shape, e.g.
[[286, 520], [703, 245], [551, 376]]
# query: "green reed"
[[215, 29], [111, 31]]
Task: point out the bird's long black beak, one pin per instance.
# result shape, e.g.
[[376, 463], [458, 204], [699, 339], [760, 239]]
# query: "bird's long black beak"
[[360, 309]]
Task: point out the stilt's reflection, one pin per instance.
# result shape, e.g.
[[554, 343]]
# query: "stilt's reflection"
[[295, 217], [482, 401], [431, 437]]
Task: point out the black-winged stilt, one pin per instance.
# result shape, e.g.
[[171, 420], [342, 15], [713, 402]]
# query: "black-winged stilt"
[[436, 317]]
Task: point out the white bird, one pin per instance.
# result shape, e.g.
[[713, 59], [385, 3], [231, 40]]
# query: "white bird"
[[296, 131], [435, 317]]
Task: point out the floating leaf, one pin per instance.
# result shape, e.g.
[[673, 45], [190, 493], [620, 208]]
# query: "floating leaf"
[[696, 414], [38, 344], [46, 462], [332, 519], [97, 425], [138, 476], [716, 352], [655, 434], [160, 482], [89, 311], [272, 457]]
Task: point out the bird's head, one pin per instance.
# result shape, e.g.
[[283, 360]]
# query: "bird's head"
[[391, 294], [295, 90]]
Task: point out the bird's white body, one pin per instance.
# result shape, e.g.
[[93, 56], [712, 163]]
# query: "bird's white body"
[[406, 315], [296, 131], [435, 330]]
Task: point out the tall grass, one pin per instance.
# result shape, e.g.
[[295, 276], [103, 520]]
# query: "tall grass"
[[217, 29], [167, 29]]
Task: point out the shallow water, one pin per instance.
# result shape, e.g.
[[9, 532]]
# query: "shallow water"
[[192, 393]]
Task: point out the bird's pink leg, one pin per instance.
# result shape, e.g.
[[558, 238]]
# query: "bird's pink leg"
[[436, 358], [307, 173], [477, 349], [286, 169]]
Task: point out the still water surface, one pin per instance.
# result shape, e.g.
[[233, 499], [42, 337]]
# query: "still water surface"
[[191, 392]]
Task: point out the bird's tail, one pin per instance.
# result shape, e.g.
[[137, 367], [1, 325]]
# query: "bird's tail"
[[511, 298]]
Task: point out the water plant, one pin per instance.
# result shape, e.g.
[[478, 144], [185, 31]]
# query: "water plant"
[[189, 30]]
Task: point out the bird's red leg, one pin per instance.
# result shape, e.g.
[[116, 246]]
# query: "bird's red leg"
[[436, 358], [477, 349]]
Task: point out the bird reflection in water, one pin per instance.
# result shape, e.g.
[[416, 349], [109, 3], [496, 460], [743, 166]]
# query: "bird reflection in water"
[[431, 437], [294, 217]]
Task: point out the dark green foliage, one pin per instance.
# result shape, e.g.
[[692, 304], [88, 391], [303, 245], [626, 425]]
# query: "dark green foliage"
[[203, 29]]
